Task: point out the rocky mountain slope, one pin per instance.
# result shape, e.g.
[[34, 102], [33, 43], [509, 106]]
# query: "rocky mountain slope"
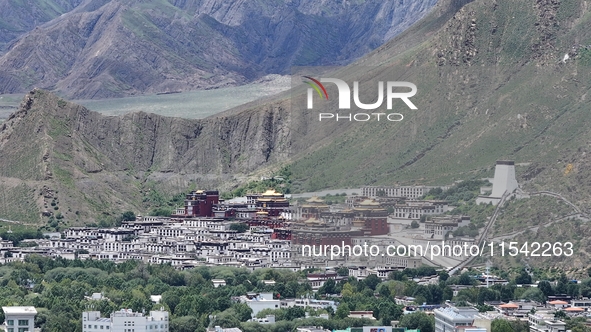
[[113, 48], [19, 17], [61, 157]]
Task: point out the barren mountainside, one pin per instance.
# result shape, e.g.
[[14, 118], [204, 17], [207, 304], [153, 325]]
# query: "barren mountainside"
[[19, 17], [107, 49], [102, 164]]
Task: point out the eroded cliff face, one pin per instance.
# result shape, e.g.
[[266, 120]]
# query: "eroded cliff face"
[[143, 141], [103, 162]]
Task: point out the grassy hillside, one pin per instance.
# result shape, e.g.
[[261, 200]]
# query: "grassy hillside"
[[490, 86]]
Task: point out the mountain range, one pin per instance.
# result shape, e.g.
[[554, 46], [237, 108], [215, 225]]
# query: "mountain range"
[[103, 49], [496, 80], [19, 17]]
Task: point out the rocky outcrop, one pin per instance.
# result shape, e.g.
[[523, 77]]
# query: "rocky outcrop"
[[104, 161]]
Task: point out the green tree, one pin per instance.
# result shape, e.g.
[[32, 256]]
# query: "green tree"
[[384, 290], [328, 287], [343, 271], [342, 311], [465, 279], [561, 288], [239, 227], [500, 325], [227, 319], [487, 294], [523, 278], [294, 312], [372, 281], [398, 275], [347, 290], [534, 294], [128, 216], [418, 320], [388, 311], [546, 288], [448, 293], [184, 324], [485, 308], [161, 212], [243, 311]]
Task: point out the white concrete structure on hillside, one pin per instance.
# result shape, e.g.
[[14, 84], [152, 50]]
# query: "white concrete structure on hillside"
[[504, 182], [19, 319], [125, 320]]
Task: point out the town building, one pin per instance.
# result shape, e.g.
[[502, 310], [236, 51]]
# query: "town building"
[[308, 303], [414, 210], [317, 280], [200, 203], [271, 204], [413, 192], [456, 319], [361, 314], [438, 227], [545, 322], [125, 320], [259, 301], [19, 319], [371, 218]]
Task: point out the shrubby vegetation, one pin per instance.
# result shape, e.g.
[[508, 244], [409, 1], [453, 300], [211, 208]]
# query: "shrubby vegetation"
[[281, 182], [57, 288], [461, 192], [463, 196], [18, 235]]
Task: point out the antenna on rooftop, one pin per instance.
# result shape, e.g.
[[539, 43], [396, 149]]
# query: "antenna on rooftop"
[[488, 264]]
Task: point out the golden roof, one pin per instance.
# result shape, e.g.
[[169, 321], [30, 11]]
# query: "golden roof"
[[315, 199], [312, 221], [271, 192], [369, 202], [323, 206]]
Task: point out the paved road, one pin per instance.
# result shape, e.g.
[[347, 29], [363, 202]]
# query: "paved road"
[[12, 221]]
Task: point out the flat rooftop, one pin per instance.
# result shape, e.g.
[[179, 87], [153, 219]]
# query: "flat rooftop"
[[19, 310]]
